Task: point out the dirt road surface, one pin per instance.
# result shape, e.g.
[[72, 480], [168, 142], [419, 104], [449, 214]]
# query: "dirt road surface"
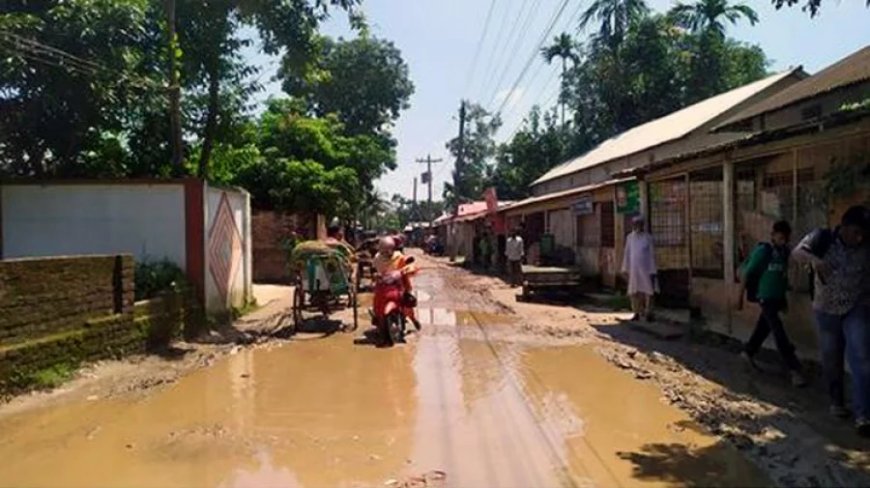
[[491, 393]]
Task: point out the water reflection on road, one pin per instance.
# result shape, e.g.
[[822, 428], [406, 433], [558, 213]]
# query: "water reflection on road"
[[330, 413]]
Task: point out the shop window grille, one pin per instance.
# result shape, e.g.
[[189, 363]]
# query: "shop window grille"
[[608, 225], [707, 223], [588, 233], [668, 212]]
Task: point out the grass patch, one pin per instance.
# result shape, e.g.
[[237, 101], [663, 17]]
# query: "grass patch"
[[250, 307], [52, 377]]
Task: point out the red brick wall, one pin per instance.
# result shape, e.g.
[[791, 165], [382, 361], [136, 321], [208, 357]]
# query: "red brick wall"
[[272, 234], [45, 296]]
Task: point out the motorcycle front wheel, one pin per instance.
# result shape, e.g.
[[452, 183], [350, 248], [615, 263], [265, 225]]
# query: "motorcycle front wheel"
[[396, 327]]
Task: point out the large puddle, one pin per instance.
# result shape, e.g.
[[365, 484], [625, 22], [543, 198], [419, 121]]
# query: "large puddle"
[[331, 413]]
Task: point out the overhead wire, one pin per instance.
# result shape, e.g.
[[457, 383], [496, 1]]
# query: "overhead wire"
[[523, 30], [535, 53], [49, 55], [497, 43], [545, 87], [479, 48]]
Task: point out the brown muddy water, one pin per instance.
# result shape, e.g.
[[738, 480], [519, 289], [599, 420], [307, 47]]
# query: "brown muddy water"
[[328, 412]]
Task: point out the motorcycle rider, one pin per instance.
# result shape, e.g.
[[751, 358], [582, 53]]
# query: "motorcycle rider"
[[391, 265]]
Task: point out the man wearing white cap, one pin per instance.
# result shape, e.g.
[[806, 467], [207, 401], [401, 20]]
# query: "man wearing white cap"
[[639, 268]]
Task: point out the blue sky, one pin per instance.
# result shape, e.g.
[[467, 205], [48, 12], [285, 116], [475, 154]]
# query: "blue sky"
[[438, 39]]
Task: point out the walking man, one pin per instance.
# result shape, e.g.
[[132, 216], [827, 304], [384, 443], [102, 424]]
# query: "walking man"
[[840, 259], [764, 280], [639, 268], [514, 252]]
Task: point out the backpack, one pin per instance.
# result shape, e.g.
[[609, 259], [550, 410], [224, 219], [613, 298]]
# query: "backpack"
[[754, 279]]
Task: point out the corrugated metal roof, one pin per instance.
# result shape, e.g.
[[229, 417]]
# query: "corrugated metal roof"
[[470, 208], [664, 129], [850, 70], [563, 194]]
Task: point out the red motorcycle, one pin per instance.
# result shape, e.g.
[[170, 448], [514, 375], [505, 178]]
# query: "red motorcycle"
[[394, 304]]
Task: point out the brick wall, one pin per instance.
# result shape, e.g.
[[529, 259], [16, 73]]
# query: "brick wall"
[[69, 310], [271, 233], [168, 317], [40, 297]]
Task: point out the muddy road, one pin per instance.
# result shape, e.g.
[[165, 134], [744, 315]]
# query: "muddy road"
[[474, 400]]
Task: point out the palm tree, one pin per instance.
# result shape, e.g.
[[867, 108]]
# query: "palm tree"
[[709, 15], [615, 17], [563, 47]]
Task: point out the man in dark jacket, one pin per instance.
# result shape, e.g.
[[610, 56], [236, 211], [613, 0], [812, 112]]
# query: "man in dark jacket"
[[840, 259]]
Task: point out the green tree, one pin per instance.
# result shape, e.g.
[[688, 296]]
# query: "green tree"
[[214, 71], [300, 158], [712, 52], [811, 6], [62, 115], [652, 73], [107, 104], [470, 177], [539, 145], [364, 81], [564, 48], [710, 15], [614, 17]]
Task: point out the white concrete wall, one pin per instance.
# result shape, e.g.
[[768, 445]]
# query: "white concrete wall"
[[144, 220], [239, 289]]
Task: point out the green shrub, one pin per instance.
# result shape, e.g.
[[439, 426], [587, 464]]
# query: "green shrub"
[[155, 277], [51, 377]]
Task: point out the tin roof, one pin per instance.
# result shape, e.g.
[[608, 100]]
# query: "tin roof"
[[664, 129], [562, 194], [850, 70]]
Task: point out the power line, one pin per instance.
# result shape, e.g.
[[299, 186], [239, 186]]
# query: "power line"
[[546, 85], [42, 53], [514, 47], [504, 54], [479, 47], [545, 89], [534, 55], [496, 44]]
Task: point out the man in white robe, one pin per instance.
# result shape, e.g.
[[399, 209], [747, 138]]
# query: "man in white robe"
[[639, 268]]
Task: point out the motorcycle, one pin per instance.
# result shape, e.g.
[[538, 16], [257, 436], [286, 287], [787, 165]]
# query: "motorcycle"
[[394, 304], [434, 248]]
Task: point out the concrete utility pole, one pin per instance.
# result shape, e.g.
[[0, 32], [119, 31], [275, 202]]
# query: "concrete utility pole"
[[460, 158], [428, 179]]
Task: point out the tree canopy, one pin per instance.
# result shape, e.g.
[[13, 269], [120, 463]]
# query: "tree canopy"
[[471, 176], [811, 6], [83, 83], [653, 67], [364, 81]]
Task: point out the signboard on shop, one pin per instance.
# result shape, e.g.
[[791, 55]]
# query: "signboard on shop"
[[584, 206], [628, 198]]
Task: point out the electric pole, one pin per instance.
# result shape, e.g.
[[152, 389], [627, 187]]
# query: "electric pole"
[[414, 210], [460, 157], [429, 179]]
